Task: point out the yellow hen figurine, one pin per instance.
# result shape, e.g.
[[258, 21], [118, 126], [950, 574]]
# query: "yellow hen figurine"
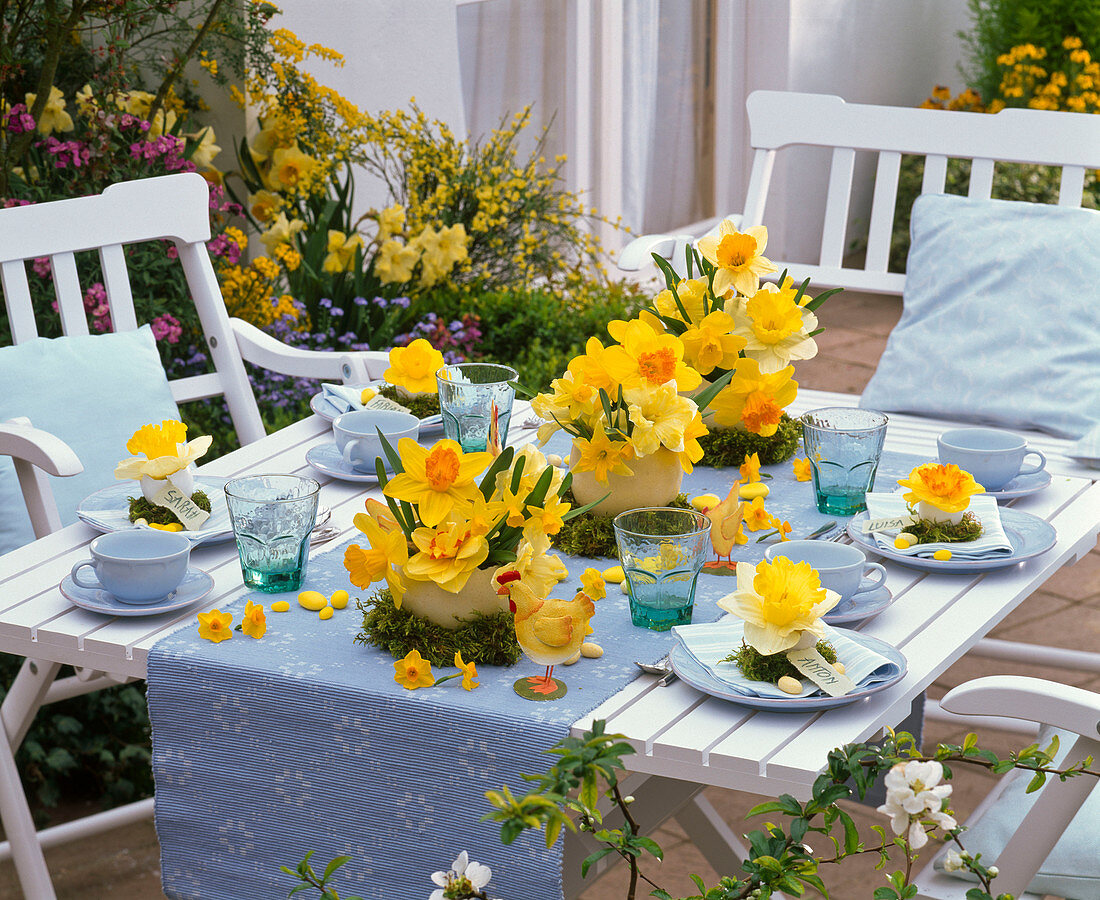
[[549, 632]]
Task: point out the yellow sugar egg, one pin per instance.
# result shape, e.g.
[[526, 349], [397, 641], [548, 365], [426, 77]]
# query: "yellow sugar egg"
[[905, 540], [339, 599], [754, 490], [325, 613], [614, 574], [704, 502], [280, 606], [367, 395], [942, 555], [314, 600]]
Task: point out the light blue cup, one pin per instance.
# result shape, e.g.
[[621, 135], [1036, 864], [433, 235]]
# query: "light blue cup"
[[357, 439], [841, 567], [137, 566], [992, 456]]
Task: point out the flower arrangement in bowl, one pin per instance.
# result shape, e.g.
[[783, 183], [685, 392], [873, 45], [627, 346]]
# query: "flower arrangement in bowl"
[[733, 326], [166, 458], [939, 496], [450, 521]]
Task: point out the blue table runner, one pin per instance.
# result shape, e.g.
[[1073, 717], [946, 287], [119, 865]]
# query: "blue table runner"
[[266, 749]]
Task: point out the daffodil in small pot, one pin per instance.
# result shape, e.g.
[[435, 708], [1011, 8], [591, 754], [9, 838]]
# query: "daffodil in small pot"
[[940, 493], [166, 457]]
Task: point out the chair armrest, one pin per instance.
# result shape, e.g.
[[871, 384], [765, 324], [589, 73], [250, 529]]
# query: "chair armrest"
[[639, 252], [1032, 699], [21, 440], [262, 349]]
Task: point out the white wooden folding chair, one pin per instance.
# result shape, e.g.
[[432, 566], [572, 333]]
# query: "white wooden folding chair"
[[176, 208]]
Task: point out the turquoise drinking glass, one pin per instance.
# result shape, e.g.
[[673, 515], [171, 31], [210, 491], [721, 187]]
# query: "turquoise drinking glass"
[[662, 551], [844, 446], [468, 395]]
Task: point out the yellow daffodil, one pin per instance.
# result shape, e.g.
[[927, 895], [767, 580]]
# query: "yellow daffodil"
[[413, 367], [803, 469], [434, 263], [452, 244], [756, 517], [644, 357], [693, 450], [783, 528], [86, 101], [165, 450], [289, 167], [53, 117], [779, 601], [378, 511], [413, 671], [449, 554], [603, 456], [391, 221], [549, 515], [254, 623], [738, 257], [945, 487], [660, 415], [539, 569], [395, 262], [593, 583], [750, 468], [469, 673], [712, 343], [755, 400], [435, 479], [341, 251], [215, 626], [385, 560], [775, 328], [203, 155], [281, 231], [692, 293]]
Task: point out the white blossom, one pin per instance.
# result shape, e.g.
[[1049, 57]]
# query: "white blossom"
[[953, 862], [914, 795], [464, 878]]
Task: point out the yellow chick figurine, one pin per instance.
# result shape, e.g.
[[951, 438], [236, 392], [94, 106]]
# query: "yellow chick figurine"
[[724, 520], [549, 631]]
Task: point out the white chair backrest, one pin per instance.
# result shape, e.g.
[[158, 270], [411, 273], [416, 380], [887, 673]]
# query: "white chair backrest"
[[777, 119], [172, 207]]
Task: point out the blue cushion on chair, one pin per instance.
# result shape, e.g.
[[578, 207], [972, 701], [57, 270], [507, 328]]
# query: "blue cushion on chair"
[[92, 391], [1000, 322]]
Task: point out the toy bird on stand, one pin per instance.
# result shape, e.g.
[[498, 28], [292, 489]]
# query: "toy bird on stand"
[[725, 520], [549, 632]]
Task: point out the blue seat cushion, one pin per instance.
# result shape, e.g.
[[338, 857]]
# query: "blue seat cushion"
[[1000, 322], [93, 392]]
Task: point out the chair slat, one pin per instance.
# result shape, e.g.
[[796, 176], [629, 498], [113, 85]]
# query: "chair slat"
[[836, 206], [17, 293], [116, 279], [981, 179], [70, 300], [935, 174], [1072, 186], [882, 211], [763, 162], [196, 387]]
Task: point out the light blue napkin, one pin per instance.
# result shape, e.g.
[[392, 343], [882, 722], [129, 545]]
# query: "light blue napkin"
[[343, 397], [1087, 449], [992, 543], [709, 643]]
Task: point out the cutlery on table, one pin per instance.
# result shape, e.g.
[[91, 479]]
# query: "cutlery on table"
[[823, 530], [662, 669]]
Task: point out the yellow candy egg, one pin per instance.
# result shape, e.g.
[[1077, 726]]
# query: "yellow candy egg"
[[754, 490], [367, 395], [339, 599], [705, 501], [905, 540], [280, 606], [614, 574], [314, 600], [942, 555], [325, 613]]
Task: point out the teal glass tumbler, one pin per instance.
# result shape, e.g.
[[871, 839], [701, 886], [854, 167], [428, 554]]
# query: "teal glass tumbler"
[[662, 551], [272, 517], [844, 446], [470, 394]]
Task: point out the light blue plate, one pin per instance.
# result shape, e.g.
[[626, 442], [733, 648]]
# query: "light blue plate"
[[1029, 535], [320, 405], [700, 677], [860, 606], [1022, 485], [196, 584], [326, 458], [109, 509]]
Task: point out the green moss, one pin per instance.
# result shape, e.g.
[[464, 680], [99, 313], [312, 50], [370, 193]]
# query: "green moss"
[[591, 535], [140, 508], [485, 640], [929, 532], [727, 447], [757, 667], [421, 407]]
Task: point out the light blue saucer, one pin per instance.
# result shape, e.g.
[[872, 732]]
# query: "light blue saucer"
[[1022, 485], [860, 606], [325, 458], [196, 584]]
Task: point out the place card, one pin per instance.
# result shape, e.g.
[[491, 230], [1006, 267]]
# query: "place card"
[[380, 402], [893, 523], [819, 670], [190, 515]]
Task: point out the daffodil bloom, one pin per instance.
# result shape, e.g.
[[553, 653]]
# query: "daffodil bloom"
[[549, 515], [469, 673], [452, 244], [693, 450], [593, 583], [281, 231], [738, 257], [53, 117], [385, 560], [289, 166], [215, 626], [395, 262], [449, 554], [660, 416], [645, 357], [391, 221], [413, 671], [782, 528], [434, 263], [254, 623], [712, 343], [945, 487], [779, 600], [539, 569], [166, 452], [603, 456], [203, 155], [775, 328], [756, 517], [755, 400], [413, 367], [341, 251], [803, 469], [692, 293], [750, 468]]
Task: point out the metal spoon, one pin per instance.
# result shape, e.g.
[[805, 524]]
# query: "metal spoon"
[[818, 532], [661, 669]]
